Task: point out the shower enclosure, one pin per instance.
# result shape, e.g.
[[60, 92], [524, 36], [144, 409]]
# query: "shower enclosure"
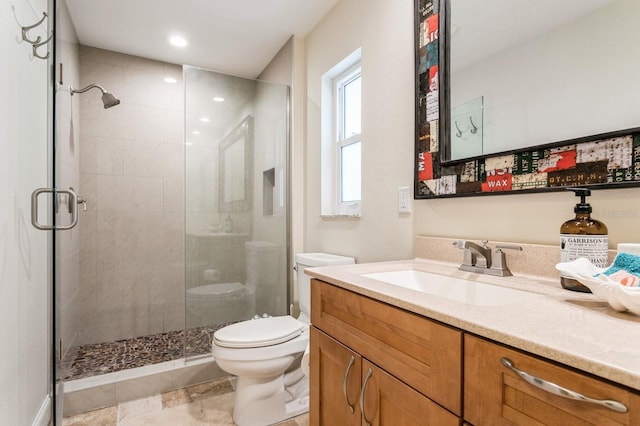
[[236, 213], [185, 181]]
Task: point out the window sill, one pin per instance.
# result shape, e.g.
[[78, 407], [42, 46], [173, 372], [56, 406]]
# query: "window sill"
[[339, 216]]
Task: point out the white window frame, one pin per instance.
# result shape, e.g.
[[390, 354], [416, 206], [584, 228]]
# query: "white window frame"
[[332, 141], [342, 140]]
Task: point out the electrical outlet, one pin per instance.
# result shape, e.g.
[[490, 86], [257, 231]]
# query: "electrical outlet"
[[404, 199]]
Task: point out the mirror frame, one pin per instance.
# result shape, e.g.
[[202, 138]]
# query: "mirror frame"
[[509, 172], [243, 130]]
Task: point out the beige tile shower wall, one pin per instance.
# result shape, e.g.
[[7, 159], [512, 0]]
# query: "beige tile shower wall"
[[132, 175]]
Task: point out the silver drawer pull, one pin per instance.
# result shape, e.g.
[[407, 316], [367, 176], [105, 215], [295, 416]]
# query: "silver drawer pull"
[[362, 391], [344, 384], [554, 389]]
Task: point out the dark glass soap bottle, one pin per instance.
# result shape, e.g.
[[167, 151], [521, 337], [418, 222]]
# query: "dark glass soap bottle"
[[583, 236]]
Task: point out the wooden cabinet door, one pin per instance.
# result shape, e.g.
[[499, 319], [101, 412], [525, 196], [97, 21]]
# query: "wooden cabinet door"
[[387, 401], [496, 395], [420, 352], [334, 382]]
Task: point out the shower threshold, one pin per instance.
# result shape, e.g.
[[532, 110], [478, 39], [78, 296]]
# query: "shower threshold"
[[105, 390]]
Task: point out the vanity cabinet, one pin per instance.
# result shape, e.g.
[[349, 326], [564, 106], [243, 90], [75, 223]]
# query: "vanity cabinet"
[[496, 394], [372, 363], [376, 364]]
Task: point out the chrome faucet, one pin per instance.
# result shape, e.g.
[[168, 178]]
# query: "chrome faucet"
[[478, 258]]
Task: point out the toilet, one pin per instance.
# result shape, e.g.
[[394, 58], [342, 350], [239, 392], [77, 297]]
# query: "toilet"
[[265, 355], [217, 303]]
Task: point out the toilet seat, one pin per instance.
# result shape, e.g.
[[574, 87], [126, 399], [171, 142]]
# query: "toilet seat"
[[259, 333]]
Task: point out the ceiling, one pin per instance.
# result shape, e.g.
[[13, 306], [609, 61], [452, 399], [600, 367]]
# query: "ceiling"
[[237, 37]]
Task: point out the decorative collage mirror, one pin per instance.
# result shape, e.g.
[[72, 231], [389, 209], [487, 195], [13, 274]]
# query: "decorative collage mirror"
[[517, 96]]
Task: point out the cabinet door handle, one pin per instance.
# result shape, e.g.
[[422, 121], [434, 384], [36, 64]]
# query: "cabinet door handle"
[[362, 391], [557, 390], [344, 384]]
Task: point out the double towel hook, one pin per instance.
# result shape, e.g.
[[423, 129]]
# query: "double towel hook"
[[473, 129], [37, 42]]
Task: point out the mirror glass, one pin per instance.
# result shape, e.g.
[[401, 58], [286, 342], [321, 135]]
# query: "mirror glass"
[[234, 171], [235, 151], [525, 73]]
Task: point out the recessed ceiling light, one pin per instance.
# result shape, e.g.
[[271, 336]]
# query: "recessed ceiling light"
[[188, 143], [177, 41], [218, 99], [170, 80], [205, 119], [196, 132]]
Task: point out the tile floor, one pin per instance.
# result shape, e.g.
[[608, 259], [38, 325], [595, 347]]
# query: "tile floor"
[[208, 404]]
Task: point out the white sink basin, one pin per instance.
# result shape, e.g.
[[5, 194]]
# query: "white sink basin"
[[452, 288]]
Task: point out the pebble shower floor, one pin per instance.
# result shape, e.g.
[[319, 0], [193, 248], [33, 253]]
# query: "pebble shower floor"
[[101, 358]]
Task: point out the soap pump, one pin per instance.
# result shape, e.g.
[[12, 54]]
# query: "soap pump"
[[228, 224], [583, 236]]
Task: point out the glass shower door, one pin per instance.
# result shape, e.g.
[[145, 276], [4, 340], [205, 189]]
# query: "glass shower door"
[[236, 139], [25, 252]]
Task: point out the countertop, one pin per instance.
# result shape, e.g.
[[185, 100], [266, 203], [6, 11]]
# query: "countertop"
[[575, 329]]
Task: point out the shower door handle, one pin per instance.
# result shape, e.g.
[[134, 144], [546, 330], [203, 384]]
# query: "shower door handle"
[[73, 203]]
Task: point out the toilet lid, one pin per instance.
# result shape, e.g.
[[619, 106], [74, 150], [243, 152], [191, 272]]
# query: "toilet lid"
[[259, 332], [217, 289]]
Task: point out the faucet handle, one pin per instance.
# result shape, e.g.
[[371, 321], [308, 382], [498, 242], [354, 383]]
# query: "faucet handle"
[[500, 247], [499, 266]]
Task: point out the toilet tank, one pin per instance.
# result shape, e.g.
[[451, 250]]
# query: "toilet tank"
[[265, 277], [309, 260], [263, 263]]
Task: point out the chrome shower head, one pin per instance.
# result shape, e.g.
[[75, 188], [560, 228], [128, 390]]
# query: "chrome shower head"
[[107, 98]]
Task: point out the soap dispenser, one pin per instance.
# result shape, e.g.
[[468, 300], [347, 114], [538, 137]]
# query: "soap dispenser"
[[228, 224], [585, 237]]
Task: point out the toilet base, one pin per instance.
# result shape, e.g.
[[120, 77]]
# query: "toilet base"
[[264, 401]]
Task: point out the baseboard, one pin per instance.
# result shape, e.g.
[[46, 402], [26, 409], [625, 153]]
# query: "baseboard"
[[43, 417]]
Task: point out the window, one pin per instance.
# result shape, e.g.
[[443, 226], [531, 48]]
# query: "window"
[[341, 138], [349, 143]]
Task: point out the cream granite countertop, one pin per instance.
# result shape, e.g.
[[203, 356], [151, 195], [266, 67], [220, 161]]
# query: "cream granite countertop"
[[575, 329]]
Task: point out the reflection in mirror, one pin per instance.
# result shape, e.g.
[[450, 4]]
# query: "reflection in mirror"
[[235, 168], [546, 71], [466, 135]]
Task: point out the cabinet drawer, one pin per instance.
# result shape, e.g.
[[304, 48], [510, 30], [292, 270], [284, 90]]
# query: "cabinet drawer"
[[496, 395], [420, 352]]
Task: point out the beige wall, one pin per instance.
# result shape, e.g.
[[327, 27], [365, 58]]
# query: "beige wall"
[[384, 30], [24, 251], [132, 175], [531, 218]]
